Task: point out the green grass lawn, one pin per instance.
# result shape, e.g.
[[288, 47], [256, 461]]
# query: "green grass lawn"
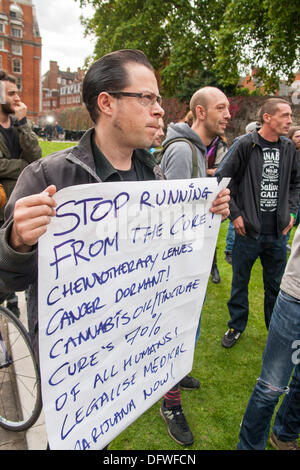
[[227, 376], [53, 146]]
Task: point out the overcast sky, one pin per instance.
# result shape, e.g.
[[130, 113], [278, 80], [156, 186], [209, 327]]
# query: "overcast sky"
[[62, 33]]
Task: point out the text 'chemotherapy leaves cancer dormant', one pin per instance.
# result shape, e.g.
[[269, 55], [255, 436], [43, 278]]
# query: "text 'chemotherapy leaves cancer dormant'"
[[123, 270]]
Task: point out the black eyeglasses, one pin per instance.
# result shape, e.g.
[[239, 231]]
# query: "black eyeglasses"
[[146, 99]]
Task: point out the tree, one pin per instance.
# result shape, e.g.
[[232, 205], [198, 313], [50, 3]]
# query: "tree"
[[263, 34], [178, 41], [192, 43]]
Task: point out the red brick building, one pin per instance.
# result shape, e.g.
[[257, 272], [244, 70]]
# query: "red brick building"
[[61, 89], [252, 83], [21, 49]]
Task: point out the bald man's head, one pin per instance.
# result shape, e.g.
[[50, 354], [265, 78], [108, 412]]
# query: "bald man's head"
[[210, 108], [203, 97]]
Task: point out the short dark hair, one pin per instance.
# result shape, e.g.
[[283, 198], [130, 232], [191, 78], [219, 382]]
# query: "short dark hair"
[[292, 131], [109, 73], [270, 107], [5, 77]]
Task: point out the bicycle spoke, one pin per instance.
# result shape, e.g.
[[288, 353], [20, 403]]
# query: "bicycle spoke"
[[20, 378]]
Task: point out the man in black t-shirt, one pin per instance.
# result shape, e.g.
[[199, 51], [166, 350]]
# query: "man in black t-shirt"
[[269, 185], [265, 184]]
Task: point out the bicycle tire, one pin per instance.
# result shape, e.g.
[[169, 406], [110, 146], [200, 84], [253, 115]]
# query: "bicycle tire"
[[19, 375]]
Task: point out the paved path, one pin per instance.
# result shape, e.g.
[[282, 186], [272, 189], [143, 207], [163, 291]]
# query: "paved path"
[[33, 439], [10, 440]]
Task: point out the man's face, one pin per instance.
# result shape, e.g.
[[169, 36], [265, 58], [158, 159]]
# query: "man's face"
[[217, 114], [134, 122], [296, 139], [11, 97], [279, 122], [158, 138]]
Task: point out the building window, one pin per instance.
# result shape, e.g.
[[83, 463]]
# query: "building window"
[[2, 45], [17, 66], [1, 62], [19, 83], [2, 28], [15, 11], [16, 32], [16, 49]]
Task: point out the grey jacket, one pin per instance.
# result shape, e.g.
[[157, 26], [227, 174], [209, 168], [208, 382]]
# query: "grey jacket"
[[177, 159], [70, 167]]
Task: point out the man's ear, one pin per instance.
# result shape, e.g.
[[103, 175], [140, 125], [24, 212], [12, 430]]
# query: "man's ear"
[[104, 102], [266, 117], [200, 112]]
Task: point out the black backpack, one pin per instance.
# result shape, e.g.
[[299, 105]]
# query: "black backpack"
[[158, 155]]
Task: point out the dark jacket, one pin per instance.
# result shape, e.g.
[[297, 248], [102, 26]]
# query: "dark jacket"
[[73, 166], [243, 164], [10, 168]]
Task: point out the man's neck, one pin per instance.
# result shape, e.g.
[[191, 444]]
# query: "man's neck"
[[201, 132], [119, 157], [268, 134], [4, 120]]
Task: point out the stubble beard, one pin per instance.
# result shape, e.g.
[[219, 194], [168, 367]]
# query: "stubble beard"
[[6, 109]]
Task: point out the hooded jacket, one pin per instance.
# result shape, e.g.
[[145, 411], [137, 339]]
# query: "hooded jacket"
[[243, 163], [177, 159]]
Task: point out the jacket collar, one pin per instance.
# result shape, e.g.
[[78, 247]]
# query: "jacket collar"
[[82, 154], [255, 138]]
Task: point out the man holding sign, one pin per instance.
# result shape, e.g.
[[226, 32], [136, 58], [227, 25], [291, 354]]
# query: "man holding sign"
[[121, 94]]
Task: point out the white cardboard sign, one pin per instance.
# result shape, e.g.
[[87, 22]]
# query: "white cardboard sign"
[[123, 270]]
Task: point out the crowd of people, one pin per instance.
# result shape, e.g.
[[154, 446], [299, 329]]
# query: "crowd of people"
[[121, 93]]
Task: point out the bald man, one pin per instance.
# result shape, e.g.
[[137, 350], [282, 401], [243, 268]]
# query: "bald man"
[[210, 110]]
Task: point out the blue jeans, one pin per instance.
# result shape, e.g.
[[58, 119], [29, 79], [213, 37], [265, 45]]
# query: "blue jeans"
[[230, 237], [281, 360], [272, 253]]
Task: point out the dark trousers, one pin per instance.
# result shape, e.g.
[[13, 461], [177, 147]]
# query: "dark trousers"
[[272, 253]]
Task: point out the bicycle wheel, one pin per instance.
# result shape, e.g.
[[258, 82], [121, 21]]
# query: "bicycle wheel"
[[19, 375]]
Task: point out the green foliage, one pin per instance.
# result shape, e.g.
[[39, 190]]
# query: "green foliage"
[[263, 34], [178, 41], [76, 118], [202, 42]]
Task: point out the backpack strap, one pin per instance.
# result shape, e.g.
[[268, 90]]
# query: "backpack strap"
[[193, 149]]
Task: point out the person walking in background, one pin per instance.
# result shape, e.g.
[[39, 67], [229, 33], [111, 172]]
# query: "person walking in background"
[[18, 147], [265, 185]]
